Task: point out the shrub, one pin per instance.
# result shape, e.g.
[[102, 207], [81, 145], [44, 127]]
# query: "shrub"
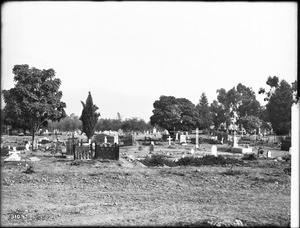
[[4, 151], [157, 160], [250, 157], [208, 160]]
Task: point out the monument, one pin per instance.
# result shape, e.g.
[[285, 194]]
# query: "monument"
[[235, 147]]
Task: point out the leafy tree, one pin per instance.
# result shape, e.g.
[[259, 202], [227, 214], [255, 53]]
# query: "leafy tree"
[[250, 122], [204, 112], [89, 116], [34, 100], [69, 123], [239, 99], [109, 124], [279, 108], [174, 113], [135, 124]]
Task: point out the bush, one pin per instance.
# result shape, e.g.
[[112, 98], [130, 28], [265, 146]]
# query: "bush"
[[250, 157], [207, 160], [157, 160], [4, 151]]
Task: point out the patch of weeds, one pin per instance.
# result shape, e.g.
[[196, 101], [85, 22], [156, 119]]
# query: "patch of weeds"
[[157, 160], [208, 160], [250, 157]]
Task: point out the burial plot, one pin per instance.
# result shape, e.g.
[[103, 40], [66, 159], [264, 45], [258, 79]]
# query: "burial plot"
[[107, 152], [13, 156]]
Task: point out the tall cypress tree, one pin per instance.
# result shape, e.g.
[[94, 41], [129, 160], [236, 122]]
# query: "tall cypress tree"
[[279, 108], [89, 116], [204, 112]]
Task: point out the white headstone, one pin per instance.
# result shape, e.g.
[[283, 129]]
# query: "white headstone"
[[197, 139], [169, 140], [214, 150], [154, 130], [14, 148], [14, 156], [269, 155], [235, 144], [105, 139], [182, 138], [176, 137], [116, 139], [192, 151], [27, 146], [8, 147]]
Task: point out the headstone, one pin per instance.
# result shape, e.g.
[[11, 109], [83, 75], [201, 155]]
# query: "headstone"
[[192, 151], [182, 138], [14, 148], [214, 150], [169, 140], [8, 147], [105, 139], [176, 138], [116, 139], [90, 141], [27, 146], [147, 132], [269, 155], [235, 144], [151, 147], [197, 139], [14, 156], [154, 130]]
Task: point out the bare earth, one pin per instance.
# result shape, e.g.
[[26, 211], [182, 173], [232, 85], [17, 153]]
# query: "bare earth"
[[124, 193]]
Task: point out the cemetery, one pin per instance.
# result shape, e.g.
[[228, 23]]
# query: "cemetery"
[[191, 179]]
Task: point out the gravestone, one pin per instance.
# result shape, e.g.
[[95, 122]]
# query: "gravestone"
[[27, 146], [169, 140], [105, 139], [214, 151], [182, 139], [176, 138], [116, 139], [192, 151], [152, 147], [14, 148], [197, 139], [13, 156], [269, 155]]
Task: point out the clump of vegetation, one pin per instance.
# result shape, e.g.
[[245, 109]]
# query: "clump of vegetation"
[[157, 160], [208, 160], [250, 157], [4, 151]]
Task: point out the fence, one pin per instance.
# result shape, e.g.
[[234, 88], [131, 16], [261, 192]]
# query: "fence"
[[83, 152], [107, 152]]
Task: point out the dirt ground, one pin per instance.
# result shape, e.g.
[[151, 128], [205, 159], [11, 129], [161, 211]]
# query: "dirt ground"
[[62, 192]]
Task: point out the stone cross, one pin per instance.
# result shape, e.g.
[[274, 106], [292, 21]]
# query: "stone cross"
[[169, 140]]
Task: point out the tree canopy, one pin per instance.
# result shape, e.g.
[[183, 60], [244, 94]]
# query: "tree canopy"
[[174, 114], [89, 116], [204, 112], [34, 100]]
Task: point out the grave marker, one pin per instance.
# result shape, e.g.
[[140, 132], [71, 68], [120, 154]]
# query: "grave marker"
[[182, 138], [214, 151], [197, 140], [169, 140], [105, 139], [176, 136]]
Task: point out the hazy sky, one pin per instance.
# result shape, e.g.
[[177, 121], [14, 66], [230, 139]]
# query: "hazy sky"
[[128, 54]]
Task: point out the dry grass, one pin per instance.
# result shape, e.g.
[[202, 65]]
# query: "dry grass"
[[126, 194]]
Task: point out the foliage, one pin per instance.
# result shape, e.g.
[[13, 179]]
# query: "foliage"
[[109, 124], [135, 124], [208, 160], [89, 116], [174, 113], [250, 122], [157, 160], [204, 112], [34, 100], [279, 108], [240, 99], [69, 123]]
